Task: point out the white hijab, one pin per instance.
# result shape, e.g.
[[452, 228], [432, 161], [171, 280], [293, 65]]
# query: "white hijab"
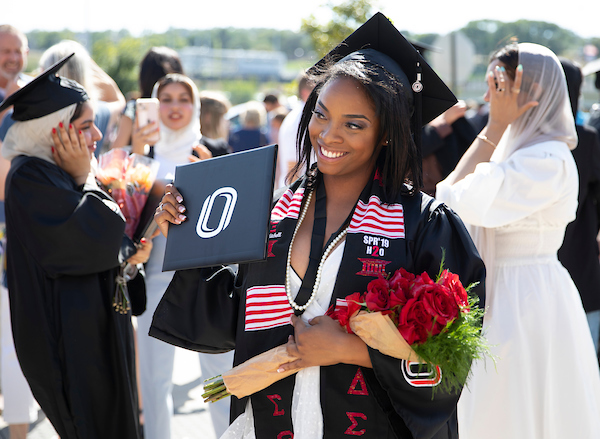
[[543, 81], [34, 137], [175, 146]]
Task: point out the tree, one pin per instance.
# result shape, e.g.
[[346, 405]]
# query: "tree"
[[121, 60], [490, 35], [41, 40], [346, 17]]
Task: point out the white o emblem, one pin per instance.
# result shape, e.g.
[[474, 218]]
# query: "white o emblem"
[[230, 196]]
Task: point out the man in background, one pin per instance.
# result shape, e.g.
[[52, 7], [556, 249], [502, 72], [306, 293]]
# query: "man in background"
[[13, 59], [20, 408]]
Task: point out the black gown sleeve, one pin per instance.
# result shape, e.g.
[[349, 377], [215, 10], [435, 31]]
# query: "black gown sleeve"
[[199, 310], [430, 140], [67, 231], [423, 415]]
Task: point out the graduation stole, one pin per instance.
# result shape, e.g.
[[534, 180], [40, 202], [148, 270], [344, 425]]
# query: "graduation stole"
[[376, 245]]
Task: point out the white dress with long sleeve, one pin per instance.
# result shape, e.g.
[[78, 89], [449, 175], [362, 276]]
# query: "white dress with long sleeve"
[[545, 383]]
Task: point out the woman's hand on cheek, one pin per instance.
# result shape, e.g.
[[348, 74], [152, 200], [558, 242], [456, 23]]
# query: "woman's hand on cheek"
[[505, 105], [70, 152]]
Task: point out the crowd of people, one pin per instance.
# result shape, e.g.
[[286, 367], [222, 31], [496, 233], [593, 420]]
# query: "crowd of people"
[[510, 189]]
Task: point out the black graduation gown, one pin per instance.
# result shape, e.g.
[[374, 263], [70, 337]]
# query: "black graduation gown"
[[64, 246], [199, 312], [579, 252]]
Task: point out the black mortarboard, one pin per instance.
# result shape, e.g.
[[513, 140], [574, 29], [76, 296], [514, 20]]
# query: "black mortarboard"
[[45, 94], [423, 48], [398, 56]]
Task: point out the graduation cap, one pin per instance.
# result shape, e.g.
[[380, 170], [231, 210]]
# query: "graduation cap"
[[45, 94], [423, 48], [377, 41]]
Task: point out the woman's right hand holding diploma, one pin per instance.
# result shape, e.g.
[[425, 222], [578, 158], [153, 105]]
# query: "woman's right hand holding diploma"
[[170, 210]]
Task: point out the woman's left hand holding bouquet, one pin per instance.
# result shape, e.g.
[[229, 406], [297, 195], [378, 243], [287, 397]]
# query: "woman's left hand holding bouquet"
[[71, 153], [143, 251], [323, 343]]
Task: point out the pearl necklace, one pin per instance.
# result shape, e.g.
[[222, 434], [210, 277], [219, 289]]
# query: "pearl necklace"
[[328, 250]]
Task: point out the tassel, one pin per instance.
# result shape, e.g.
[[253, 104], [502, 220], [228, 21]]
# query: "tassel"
[[417, 87]]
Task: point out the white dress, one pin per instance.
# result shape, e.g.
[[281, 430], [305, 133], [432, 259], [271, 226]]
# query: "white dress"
[[546, 383]]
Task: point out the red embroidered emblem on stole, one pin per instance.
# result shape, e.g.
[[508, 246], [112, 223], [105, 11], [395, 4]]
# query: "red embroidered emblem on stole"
[[372, 267], [351, 430], [358, 379], [270, 249], [278, 411]]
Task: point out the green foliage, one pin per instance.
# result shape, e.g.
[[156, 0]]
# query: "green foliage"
[[346, 17], [240, 91], [490, 35], [120, 60], [454, 349], [41, 40], [119, 53]]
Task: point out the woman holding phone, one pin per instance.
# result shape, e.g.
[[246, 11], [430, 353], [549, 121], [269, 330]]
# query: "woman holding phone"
[[157, 62]]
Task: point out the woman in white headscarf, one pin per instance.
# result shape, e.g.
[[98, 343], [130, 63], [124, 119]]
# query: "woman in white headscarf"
[[179, 128], [516, 188]]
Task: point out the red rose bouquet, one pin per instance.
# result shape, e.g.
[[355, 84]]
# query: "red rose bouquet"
[[412, 317], [405, 316]]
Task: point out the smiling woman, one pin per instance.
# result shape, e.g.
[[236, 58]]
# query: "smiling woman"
[[364, 188], [344, 130]]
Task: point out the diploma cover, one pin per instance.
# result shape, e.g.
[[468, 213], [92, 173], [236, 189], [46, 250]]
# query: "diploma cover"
[[228, 201]]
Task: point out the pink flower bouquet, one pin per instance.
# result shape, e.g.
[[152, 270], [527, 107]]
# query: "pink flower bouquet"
[[128, 178]]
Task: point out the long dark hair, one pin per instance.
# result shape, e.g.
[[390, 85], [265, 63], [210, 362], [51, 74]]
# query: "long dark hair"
[[157, 62], [400, 160]]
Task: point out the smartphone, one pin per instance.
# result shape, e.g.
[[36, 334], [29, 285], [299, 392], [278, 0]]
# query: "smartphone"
[[146, 111]]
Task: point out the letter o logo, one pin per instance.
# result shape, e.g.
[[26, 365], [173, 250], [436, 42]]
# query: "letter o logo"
[[230, 195]]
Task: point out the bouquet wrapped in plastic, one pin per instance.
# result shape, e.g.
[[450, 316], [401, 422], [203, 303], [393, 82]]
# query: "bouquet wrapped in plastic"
[[128, 178], [405, 316]]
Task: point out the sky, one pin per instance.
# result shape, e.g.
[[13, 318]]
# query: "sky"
[[415, 16]]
